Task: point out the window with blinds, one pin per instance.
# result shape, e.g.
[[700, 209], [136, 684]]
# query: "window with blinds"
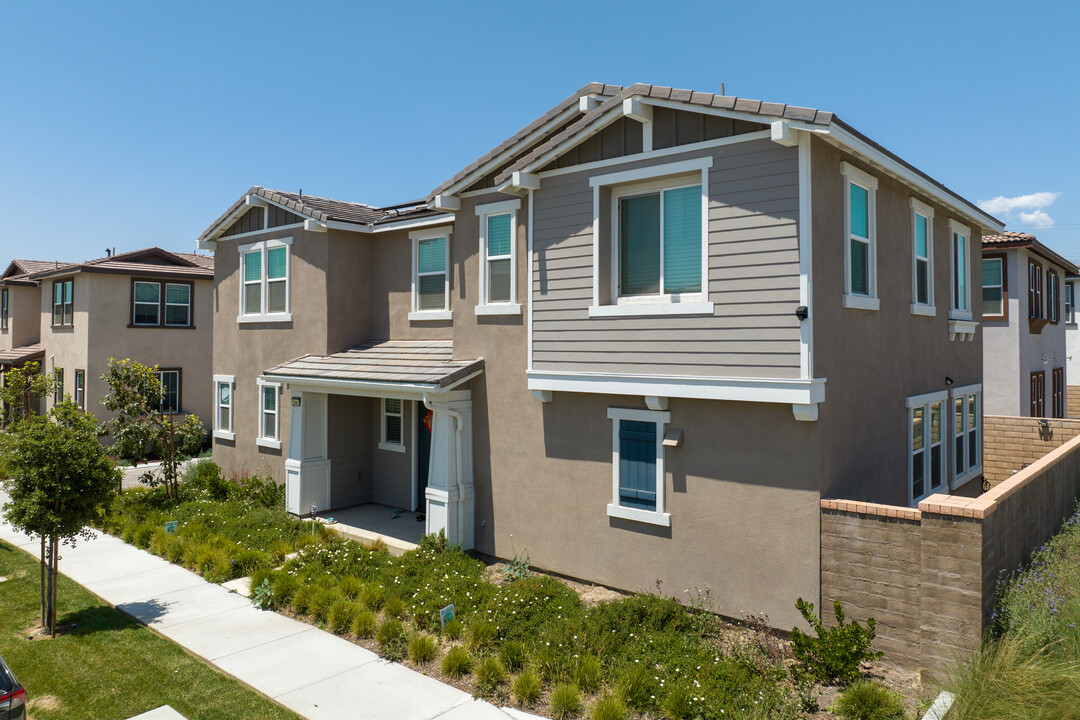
[[660, 243], [264, 282]]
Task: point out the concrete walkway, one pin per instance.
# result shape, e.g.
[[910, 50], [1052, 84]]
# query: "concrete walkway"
[[312, 672]]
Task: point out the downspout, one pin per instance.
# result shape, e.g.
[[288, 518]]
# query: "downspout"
[[457, 476]]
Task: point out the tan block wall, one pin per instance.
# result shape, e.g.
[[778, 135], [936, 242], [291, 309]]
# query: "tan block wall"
[[1012, 443], [1072, 401]]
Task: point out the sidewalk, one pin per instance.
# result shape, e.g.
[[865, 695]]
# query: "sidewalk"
[[310, 671]]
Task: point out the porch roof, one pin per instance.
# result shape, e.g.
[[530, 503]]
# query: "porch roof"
[[413, 362], [15, 356]]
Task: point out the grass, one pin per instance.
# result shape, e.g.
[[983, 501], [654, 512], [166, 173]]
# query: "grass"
[[109, 666]]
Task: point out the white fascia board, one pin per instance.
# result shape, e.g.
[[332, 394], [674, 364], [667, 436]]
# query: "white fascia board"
[[771, 390], [733, 114], [448, 203], [403, 391], [210, 245], [611, 116], [255, 201]]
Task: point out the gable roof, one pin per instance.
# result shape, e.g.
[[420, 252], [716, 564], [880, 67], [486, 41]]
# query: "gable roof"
[[138, 262], [25, 267], [1009, 239]]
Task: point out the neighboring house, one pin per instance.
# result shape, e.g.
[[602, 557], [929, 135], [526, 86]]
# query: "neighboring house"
[[648, 333], [1025, 313], [152, 306], [1072, 346], [20, 314]]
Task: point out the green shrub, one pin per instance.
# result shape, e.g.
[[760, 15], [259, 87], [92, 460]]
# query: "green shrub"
[[390, 635], [512, 654], [285, 586], [372, 597], [452, 629], [393, 607], [205, 476], [678, 703], [834, 656], [636, 686], [608, 707], [341, 615], [260, 491], [526, 687], [865, 700], [364, 624], [550, 666], [588, 673], [262, 594], [324, 598], [457, 662], [351, 586], [490, 673], [480, 635], [422, 648], [142, 535], [302, 599], [565, 701]]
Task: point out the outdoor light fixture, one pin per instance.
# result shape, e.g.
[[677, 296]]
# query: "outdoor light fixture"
[[948, 381], [802, 312]]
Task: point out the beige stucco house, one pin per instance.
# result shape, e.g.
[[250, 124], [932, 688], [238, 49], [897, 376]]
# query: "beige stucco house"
[[642, 338], [1026, 308], [150, 305], [20, 313]]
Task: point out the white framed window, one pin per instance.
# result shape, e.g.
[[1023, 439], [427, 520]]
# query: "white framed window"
[[651, 228], [393, 425], [860, 239], [637, 458], [430, 274], [994, 288], [966, 413], [224, 385], [264, 281], [922, 261], [177, 304], [960, 275], [269, 414], [1070, 303], [147, 303], [80, 389], [498, 258], [927, 424]]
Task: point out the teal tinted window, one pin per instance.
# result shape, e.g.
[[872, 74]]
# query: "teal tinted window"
[[637, 464], [498, 235], [431, 255], [276, 262], [639, 245], [860, 199], [920, 236], [860, 273], [253, 266], [682, 240]]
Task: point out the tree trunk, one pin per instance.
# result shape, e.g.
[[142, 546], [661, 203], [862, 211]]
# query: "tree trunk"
[[46, 624], [55, 583], [44, 562]]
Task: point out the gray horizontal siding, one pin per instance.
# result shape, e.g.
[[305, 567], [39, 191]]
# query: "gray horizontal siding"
[[753, 277]]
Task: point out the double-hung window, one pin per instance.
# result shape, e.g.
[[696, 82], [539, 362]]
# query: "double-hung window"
[[860, 245], [1058, 404], [170, 390], [80, 389], [4, 309], [922, 268], [498, 258], [264, 281], [637, 453], [1035, 291], [223, 406], [177, 304], [1053, 297], [1037, 394], [58, 386], [1070, 302], [960, 284], [147, 303], [393, 423], [966, 421], [155, 303], [926, 464], [63, 314], [269, 414], [431, 274], [994, 289]]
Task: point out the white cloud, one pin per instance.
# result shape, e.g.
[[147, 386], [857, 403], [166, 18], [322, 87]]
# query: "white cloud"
[[1037, 219], [1034, 201]]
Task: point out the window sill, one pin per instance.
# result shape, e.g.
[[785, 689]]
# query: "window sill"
[[392, 447], [923, 310], [970, 474], [422, 315], [269, 318], [268, 443], [645, 516], [161, 327], [503, 309], [995, 318], [959, 315], [645, 309], [861, 302], [224, 435]]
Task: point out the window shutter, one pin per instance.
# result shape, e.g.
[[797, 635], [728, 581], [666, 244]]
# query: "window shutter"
[[682, 240], [639, 245]]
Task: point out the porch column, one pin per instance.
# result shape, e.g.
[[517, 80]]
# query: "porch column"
[[307, 468], [449, 494]]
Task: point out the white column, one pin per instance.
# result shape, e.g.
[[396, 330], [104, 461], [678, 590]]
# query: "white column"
[[449, 495], [307, 468]]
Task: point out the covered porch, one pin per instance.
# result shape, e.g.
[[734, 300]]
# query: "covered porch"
[[384, 428]]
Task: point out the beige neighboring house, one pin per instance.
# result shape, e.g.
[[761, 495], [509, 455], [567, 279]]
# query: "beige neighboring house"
[[1027, 305], [20, 315], [642, 339], [151, 305]]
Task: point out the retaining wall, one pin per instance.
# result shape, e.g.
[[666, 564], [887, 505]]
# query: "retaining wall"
[[1011, 443]]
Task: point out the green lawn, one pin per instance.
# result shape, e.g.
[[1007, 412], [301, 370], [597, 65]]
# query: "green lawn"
[[109, 667]]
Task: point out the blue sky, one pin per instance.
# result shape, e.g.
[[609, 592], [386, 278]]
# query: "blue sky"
[[129, 124]]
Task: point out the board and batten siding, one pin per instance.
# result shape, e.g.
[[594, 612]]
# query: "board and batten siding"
[[753, 277]]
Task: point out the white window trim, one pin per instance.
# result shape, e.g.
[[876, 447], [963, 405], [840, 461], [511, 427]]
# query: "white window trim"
[[1001, 261], [264, 316], [926, 309], [975, 470], [415, 237], [165, 289], [614, 509], [925, 401], [954, 229], [483, 212], [645, 179], [219, 432], [261, 440], [869, 301], [135, 304], [385, 444], [1069, 310]]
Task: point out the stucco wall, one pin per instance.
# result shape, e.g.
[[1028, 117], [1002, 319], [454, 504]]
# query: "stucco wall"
[[1004, 391], [67, 347], [24, 317]]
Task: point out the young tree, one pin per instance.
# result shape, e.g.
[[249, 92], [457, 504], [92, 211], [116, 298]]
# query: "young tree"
[[60, 475], [141, 426], [21, 386]]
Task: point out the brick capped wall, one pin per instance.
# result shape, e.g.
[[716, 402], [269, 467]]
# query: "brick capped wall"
[[1011, 443], [1072, 401]]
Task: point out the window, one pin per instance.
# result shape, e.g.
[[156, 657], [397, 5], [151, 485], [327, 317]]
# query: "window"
[[994, 292], [177, 304], [1037, 394], [147, 303], [1058, 387], [860, 246], [967, 414], [498, 258], [1070, 294], [1053, 297], [223, 406], [961, 266], [58, 386], [264, 283], [80, 389], [431, 279], [392, 424], [63, 305], [154, 300], [4, 309], [638, 465], [922, 241], [926, 422], [1035, 284], [170, 390], [269, 416]]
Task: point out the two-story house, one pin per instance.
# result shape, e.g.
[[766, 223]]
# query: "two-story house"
[[642, 338], [151, 305], [1026, 306], [20, 313]]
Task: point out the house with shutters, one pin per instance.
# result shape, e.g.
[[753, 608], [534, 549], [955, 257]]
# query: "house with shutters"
[[1027, 306], [656, 324]]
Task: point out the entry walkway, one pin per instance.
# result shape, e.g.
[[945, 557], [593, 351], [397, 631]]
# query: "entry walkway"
[[312, 672]]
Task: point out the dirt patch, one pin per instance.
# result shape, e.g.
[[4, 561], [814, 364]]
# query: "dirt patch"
[[37, 632], [46, 703], [590, 594]]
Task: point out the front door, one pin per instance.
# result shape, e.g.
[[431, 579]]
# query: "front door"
[[424, 419]]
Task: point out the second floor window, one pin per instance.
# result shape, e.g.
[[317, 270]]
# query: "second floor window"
[[961, 296], [1070, 295], [63, 303], [4, 309], [161, 304], [147, 301], [659, 242], [431, 277], [923, 253], [993, 286], [1053, 297], [498, 258], [264, 280], [1035, 290]]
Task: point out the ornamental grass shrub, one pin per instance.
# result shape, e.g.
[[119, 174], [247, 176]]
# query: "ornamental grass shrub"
[[608, 707], [340, 617], [866, 700], [457, 662], [422, 648], [513, 655], [490, 674], [565, 701], [526, 687], [588, 673], [364, 624], [390, 635]]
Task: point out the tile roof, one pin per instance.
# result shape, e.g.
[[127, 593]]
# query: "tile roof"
[[134, 262], [15, 356], [26, 267], [1010, 239], [414, 362]]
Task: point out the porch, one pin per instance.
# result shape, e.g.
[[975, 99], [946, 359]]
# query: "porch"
[[372, 521]]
